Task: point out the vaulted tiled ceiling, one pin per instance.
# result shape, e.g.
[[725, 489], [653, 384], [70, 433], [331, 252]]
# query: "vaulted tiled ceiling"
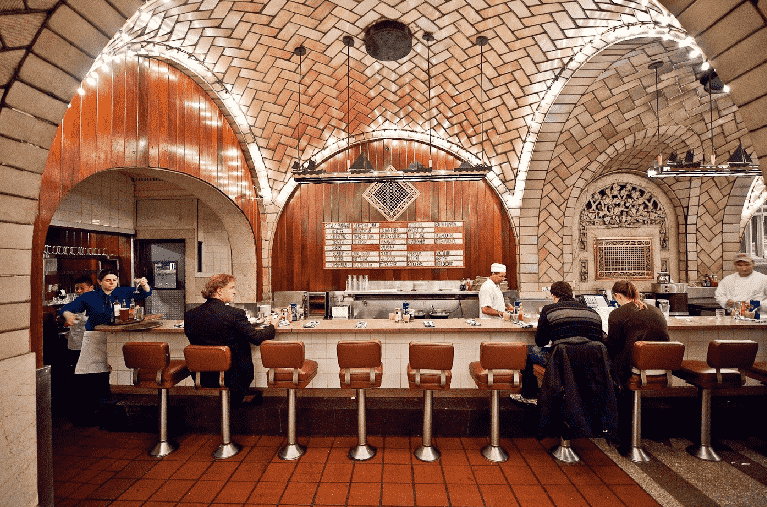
[[243, 51], [249, 48]]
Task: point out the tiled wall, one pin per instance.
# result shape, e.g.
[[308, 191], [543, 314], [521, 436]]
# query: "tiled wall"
[[102, 202]]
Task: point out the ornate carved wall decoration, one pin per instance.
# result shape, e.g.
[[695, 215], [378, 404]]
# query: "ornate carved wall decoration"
[[623, 205], [391, 198]]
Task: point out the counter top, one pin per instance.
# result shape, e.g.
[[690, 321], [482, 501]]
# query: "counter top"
[[440, 325]]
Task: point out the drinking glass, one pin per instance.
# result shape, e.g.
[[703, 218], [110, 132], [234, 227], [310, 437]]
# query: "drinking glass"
[[719, 313]]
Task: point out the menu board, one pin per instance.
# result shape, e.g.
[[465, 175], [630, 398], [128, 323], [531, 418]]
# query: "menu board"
[[386, 245]]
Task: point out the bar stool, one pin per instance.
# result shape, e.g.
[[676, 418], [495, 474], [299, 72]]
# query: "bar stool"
[[214, 358], [361, 369], [429, 369], [288, 367], [716, 372], [651, 367], [152, 367], [499, 368]]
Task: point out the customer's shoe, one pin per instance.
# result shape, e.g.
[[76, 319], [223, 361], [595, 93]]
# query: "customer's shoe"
[[521, 399]]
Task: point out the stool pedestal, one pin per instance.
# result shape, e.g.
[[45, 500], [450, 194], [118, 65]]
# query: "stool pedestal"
[[227, 449], [292, 450], [363, 451], [705, 451], [493, 451], [164, 446], [564, 452], [426, 451], [637, 454]]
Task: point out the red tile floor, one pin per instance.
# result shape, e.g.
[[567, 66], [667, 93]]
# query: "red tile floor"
[[96, 468]]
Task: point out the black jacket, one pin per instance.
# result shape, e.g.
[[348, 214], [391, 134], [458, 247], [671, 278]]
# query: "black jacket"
[[216, 323], [577, 398]]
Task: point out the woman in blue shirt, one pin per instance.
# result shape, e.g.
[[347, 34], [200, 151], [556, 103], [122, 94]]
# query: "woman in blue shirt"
[[92, 370]]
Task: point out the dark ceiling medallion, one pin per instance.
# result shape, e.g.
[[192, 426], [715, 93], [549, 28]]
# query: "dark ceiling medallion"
[[388, 40]]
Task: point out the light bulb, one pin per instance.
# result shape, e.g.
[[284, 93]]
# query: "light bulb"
[[726, 88], [705, 66], [81, 91]]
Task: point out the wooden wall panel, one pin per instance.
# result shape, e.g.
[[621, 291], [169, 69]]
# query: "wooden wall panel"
[[145, 114], [297, 255]]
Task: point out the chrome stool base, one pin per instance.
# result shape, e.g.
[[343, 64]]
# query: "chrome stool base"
[[427, 453], [638, 455], [291, 452], [226, 450], [362, 452], [162, 449], [563, 452], [495, 453], [704, 452]]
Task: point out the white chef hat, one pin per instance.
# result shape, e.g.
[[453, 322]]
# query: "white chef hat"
[[498, 268]]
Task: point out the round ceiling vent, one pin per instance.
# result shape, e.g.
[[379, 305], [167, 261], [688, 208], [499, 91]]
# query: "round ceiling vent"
[[388, 40]]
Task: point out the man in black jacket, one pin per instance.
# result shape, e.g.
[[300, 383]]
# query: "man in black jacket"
[[216, 323], [565, 318]]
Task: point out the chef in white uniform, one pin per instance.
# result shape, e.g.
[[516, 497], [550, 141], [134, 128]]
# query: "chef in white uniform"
[[744, 285], [491, 303]]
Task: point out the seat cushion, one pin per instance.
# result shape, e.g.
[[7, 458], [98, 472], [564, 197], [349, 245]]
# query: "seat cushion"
[[503, 380], [429, 379], [360, 377], [699, 373], [283, 377], [654, 382], [758, 371], [172, 375]]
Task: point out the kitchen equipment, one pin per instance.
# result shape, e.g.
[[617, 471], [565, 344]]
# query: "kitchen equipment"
[[317, 305], [664, 306], [439, 314], [675, 293], [418, 314]]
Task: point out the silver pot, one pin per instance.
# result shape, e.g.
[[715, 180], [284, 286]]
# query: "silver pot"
[[439, 314]]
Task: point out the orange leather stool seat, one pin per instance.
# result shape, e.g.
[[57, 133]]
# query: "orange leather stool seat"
[[652, 364], [499, 368], [152, 367], [287, 367], [757, 371], [360, 368], [720, 370], [429, 368], [214, 358]]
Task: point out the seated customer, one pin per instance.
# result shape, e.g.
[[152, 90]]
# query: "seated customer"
[[565, 318], [216, 323], [634, 321]]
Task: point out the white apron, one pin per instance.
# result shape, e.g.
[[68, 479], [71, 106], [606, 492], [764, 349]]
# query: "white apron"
[[93, 353]]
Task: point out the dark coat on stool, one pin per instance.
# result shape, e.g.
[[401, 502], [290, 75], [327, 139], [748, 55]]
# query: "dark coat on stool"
[[216, 323], [577, 397]]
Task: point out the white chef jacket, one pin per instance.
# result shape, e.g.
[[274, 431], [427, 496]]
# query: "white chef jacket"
[[742, 288], [490, 295]]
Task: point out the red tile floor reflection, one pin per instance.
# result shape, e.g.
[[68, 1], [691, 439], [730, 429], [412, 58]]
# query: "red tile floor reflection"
[[97, 468]]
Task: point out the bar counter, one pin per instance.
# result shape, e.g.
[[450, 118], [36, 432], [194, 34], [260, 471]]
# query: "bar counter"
[[694, 332]]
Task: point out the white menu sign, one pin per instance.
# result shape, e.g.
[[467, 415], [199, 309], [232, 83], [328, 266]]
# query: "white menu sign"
[[380, 245]]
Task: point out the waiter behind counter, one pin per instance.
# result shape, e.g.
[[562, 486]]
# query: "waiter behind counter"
[[744, 285], [92, 393]]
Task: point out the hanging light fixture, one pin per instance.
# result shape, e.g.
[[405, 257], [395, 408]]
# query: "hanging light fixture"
[[657, 64], [739, 163], [482, 41], [299, 51], [349, 43], [415, 166]]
